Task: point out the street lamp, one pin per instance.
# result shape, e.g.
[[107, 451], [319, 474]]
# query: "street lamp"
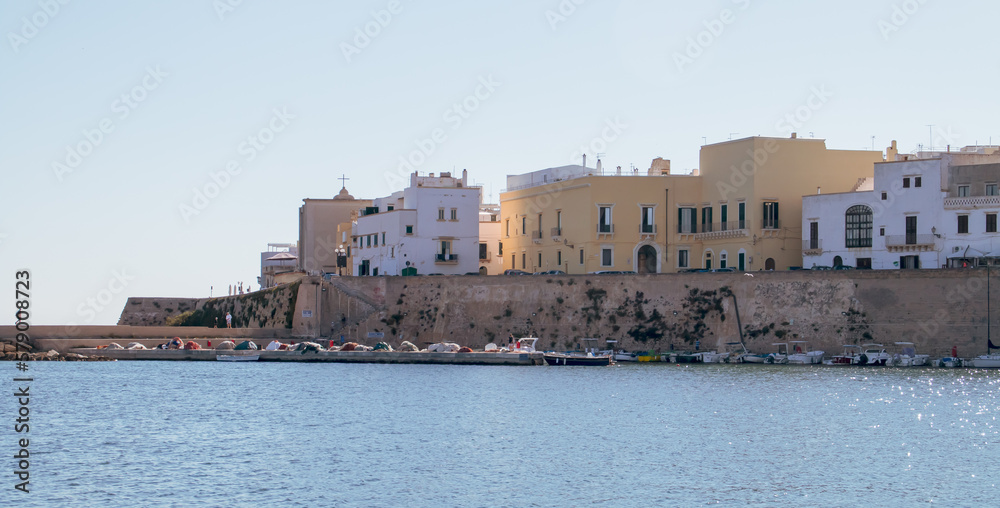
[[341, 259]]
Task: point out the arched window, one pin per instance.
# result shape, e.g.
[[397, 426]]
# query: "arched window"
[[858, 229]]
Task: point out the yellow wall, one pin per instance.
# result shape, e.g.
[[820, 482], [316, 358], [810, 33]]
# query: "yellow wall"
[[752, 170], [578, 200], [773, 169]]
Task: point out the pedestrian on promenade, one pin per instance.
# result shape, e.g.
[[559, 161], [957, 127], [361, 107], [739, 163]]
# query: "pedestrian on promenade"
[[229, 320]]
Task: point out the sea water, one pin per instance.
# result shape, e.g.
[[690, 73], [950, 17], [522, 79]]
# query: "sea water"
[[325, 434]]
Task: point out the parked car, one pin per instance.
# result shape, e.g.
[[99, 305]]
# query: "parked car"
[[727, 270], [551, 272], [843, 267], [696, 270], [515, 272], [821, 267]]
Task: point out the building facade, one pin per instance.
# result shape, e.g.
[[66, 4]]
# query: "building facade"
[[431, 227], [742, 209], [931, 212], [490, 243], [318, 230]]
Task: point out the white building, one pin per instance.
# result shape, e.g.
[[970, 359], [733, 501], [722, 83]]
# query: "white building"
[[431, 227], [916, 212]]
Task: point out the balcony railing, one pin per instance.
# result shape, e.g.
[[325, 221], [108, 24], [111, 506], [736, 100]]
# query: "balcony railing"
[[770, 224], [488, 256], [908, 240], [606, 229], [536, 235], [556, 232], [971, 202], [647, 229], [446, 258], [715, 227], [812, 244]]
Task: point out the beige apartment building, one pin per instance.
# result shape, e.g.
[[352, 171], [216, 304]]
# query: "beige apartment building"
[[742, 210]]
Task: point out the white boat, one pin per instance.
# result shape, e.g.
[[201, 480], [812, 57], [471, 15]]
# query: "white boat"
[[989, 360], [986, 362], [625, 356], [908, 357], [846, 358], [781, 357], [712, 356], [237, 358], [801, 355], [949, 362], [873, 354], [524, 345]]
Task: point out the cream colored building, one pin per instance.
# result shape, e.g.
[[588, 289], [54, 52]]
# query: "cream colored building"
[[490, 242], [743, 209], [575, 219], [749, 214], [319, 237]]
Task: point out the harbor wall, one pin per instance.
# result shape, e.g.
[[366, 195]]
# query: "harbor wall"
[[936, 309]]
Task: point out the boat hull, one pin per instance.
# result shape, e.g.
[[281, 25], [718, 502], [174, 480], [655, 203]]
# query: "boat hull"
[[237, 358], [986, 362], [561, 359]]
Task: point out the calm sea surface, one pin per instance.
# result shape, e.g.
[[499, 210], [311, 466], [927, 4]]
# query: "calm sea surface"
[[271, 434]]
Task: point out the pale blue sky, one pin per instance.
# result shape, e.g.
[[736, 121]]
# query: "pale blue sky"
[[558, 80]]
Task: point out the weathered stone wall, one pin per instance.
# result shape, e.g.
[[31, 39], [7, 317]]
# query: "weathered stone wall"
[[270, 308], [936, 309]]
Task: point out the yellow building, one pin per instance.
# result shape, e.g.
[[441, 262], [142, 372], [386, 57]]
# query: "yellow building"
[[741, 210], [749, 215], [576, 220]]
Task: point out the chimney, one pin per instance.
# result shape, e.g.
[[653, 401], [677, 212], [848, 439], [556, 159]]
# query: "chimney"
[[891, 153], [819, 190], [795, 135], [465, 178], [599, 166], [618, 171], [584, 160]]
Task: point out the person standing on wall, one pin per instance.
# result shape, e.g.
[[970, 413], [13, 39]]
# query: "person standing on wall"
[[229, 320]]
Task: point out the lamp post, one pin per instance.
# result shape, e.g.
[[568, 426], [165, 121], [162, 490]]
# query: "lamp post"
[[341, 259]]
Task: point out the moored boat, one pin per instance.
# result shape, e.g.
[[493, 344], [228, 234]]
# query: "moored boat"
[[872, 354], [781, 356], [846, 358], [801, 354], [577, 359], [908, 357], [237, 357]]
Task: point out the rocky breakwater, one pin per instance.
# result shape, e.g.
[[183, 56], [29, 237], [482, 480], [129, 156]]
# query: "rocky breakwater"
[[23, 352]]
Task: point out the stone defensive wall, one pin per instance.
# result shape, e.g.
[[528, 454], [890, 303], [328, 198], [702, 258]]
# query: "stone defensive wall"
[[936, 309]]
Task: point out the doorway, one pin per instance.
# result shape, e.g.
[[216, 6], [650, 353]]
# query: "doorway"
[[646, 259]]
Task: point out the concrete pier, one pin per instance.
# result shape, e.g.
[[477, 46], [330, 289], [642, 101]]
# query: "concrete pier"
[[475, 358]]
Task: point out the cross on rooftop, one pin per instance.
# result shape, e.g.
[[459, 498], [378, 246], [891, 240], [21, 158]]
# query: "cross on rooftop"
[[343, 180]]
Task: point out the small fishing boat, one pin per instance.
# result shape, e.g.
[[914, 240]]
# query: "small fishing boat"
[[625, 356], [781, 357], [908, 357], [577, 359], [237, 357], [873, 354], [801, 354], [847, 358], [647, 356]]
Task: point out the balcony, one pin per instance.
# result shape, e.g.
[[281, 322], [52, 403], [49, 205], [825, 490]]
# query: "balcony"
[[647, 231], [971, 202], [556, 234], [488, 256], [605, 230], [536, 236], [770, 224], [446, 259], [909, 243], [721, 230], [812, 247]]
